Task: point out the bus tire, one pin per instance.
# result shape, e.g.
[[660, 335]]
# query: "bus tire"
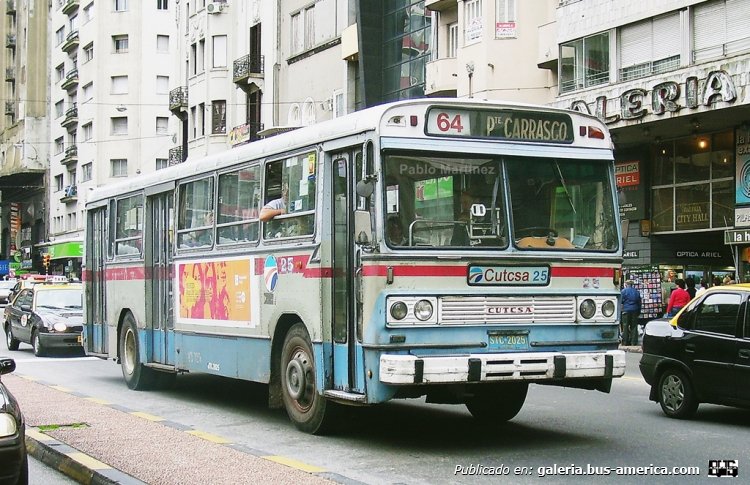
[[497, 404], [307, 408], [137, 376]]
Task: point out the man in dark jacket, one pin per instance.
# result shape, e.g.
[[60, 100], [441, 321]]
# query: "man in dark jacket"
[[631, 308]]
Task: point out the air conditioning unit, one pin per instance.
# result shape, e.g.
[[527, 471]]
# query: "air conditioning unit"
[[214, 7]]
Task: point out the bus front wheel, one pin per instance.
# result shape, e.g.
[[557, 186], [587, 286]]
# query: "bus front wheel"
[[137, 376], [498, 403], [306, 407]]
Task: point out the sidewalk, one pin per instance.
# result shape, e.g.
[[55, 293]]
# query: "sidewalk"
[[95, 442]]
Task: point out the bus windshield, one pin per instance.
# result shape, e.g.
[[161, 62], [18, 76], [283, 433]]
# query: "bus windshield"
[[459, 202]]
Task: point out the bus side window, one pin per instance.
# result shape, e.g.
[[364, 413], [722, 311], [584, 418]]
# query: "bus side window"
[[195, 221], [290, 196], [239, 198]]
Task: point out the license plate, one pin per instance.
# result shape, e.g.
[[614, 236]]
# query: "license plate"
[[80, 339], [508, 342]]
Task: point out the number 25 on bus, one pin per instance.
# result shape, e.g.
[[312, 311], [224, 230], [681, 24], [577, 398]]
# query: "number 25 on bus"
[[454, 249]]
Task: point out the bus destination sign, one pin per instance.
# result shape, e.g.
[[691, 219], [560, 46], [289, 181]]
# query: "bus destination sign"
[[501, 124]]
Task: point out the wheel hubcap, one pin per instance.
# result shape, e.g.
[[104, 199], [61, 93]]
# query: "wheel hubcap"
[[129, 357], [299, 379], [673, 393]]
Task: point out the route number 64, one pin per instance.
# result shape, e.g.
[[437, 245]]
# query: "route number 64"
[[449, 123]]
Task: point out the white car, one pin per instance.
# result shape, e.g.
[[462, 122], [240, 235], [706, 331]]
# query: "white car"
[[6, 290]]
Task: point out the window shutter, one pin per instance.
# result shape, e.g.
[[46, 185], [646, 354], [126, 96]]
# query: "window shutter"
[[635, 44], [709, 30], [738, 22], [666, 34]]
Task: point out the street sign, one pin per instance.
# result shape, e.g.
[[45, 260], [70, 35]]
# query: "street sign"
[[737, 236]]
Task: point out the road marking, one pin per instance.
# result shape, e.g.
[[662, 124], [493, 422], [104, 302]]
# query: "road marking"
[[147, 416], [209, 437], [88, 461], [62, 389], [294, 464]]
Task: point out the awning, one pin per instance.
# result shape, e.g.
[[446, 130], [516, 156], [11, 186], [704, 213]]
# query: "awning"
[[65, 250]]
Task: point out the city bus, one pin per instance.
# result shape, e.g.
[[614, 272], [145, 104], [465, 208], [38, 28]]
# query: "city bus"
[[457, 250]]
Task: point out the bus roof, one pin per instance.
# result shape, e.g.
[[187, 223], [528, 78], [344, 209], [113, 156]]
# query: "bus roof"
[[370, 119]]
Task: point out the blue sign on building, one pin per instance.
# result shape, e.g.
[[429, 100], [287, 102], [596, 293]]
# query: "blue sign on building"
[[4, 267]]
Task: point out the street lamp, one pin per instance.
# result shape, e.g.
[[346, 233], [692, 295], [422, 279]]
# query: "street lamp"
[[23, 146]]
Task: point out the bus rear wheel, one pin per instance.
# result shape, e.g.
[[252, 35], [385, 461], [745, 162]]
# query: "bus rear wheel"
[[137, 376], [307, 408], [499, 403]]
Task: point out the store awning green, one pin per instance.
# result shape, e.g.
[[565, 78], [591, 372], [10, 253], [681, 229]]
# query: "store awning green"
[[65, 250]]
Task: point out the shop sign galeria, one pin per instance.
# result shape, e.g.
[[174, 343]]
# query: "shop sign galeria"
[[665, 97]]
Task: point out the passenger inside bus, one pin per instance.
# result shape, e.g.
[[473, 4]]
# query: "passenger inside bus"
[[275, 207]]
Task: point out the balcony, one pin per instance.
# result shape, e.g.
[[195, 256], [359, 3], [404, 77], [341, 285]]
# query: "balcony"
[[440, 5], [70, 194], [10, 74], [10, 7], [10, 108], [246, 133], [178, 99], [70, 6], [10, 41], [71, 42], [175, 156], [246, 67], [71, 119], [71, 155], [440, 77], [71, 80]]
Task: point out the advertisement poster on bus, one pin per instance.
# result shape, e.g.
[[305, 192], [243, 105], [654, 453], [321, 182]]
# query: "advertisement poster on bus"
[[217, 292]]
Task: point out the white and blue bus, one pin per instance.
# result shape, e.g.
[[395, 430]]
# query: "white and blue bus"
[[453, 249]]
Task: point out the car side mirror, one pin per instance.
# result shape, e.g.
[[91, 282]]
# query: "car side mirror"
[[7, 366]]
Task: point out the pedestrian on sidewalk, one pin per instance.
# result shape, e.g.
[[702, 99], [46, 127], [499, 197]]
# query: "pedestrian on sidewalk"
[[678, 299], [631, 309]]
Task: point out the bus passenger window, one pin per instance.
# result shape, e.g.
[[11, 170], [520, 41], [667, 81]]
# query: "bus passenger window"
[[195, 222], [289, 204], [239, 198], [129, 226]]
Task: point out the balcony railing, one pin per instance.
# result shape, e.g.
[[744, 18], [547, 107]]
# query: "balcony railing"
[[10, 41], [10, 73], [175, 155], [71, 80], [71, 41], [70, 194], [71, 155], [70, 6], [71, 118], [178, 98], [10, 7], [248, 66], [10, 108]]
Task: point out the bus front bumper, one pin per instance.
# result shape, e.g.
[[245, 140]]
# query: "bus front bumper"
[[411, 369]]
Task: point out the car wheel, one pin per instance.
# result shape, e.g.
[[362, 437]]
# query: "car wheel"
[[307, 408], [137, 376], [676, 395], [10, 341], [497, 404], [36, 343]]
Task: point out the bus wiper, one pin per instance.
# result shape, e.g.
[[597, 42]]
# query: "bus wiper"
[[565, 187]]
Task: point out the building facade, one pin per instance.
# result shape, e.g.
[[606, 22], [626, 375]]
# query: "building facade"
[[111, 68], [24, 134]]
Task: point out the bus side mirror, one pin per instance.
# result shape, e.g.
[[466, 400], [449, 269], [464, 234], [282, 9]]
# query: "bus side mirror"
[[362, 226], [365, 188]]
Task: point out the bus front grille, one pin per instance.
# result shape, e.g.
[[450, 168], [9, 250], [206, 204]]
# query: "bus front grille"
[[500, 309]]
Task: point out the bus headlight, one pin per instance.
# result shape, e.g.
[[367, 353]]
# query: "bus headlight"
[[423, 310], [398, 310], [608, 308], [587, 308]]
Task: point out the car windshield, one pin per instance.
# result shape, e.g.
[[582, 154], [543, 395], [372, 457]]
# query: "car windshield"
[[69, 298]]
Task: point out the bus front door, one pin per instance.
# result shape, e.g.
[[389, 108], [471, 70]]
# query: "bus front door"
[[160, 327], [347, 353], [96, 310]]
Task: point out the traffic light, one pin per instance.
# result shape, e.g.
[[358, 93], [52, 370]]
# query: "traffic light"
[[46, 260]]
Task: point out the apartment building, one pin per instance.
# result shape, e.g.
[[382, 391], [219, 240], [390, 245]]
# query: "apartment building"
[[24, 132], [111, 69]]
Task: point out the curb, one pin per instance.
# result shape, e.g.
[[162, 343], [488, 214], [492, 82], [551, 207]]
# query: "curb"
[[77, 465]]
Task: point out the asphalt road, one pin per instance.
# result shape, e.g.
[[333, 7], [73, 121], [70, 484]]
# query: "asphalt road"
[[417, 443]]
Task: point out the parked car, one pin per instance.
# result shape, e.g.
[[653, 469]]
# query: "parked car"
[[6, 290], [46, 316], [14, 462], [702, 355]]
